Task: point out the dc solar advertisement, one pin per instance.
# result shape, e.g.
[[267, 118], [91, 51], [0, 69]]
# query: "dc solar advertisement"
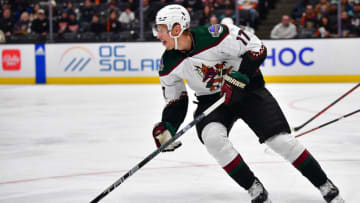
[[103, 59]]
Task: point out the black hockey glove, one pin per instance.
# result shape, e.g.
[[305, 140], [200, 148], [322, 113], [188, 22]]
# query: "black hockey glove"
[[233, 87], [163, 132]]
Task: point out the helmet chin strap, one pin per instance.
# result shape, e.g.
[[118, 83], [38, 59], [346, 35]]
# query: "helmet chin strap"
[[176, 38], [176, 44]]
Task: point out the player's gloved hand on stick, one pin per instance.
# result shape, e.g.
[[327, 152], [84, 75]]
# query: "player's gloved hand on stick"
[[163, 132], [233, 87]]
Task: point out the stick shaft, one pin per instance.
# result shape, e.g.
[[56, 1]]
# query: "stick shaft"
[[328, 123], [158, 150], [326, 108]]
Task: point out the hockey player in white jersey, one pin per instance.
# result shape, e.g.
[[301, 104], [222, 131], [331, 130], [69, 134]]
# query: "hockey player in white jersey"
[[217, 60]]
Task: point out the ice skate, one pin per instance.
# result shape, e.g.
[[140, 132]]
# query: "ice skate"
[[331, 193], [258, 193]]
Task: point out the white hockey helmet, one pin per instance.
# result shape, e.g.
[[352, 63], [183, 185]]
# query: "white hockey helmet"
[[171, 15]]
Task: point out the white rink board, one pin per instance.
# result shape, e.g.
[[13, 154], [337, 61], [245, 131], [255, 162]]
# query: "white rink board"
[[285, 58], [17, 61], [312, 57], [92, 61]]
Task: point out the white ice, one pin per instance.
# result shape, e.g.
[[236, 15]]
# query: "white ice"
[[69, 143]]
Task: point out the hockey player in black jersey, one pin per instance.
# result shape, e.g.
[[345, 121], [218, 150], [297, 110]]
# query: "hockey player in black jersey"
[[225, 59]]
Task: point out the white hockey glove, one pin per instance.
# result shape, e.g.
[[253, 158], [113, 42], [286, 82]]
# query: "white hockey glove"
[[163, 132]]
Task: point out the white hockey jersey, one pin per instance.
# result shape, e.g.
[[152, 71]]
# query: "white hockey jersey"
[[217, 50]]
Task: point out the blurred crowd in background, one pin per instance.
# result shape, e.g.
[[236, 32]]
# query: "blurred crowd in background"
[[119, 20], [320, 19]]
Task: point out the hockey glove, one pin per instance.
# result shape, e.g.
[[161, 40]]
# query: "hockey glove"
[[163, 132], [233, 87]]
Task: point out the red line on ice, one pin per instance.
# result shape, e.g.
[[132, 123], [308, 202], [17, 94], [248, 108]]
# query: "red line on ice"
[[155, 168]]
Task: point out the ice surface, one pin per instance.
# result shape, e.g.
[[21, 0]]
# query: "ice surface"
[[68, 143]]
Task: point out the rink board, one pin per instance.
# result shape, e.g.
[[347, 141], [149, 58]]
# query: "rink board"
[[313, 60], [17, 64]]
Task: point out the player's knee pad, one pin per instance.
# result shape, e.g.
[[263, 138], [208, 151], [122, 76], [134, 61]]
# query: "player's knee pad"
[[217, 143], [286, 145]]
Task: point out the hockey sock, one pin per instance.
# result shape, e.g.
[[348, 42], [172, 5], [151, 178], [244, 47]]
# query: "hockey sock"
[[310, 168], [240, 172]]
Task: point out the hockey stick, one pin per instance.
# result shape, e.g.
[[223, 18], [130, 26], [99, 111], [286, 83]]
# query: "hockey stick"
[[325, 124], [157, 151], [325, 109]]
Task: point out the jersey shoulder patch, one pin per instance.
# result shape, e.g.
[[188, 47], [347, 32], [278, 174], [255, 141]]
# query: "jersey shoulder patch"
[[208, 36], [215, 30], [169, 60]]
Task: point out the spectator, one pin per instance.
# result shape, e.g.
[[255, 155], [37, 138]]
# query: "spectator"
[[127, 16], [214, 20], [4, 6], [298, 11], [40, 25], [112, 24], [332, 15], [324, 30], [101, 1], [96, 26], [55, 10], [7, 23], [181, 2], [133, 4], [2, 37], [284, 30], [348, 30], [73, 25], [63, 22], [211, 4], [23, 25], [224, 3], [308, 15], [34, 13], [322, 8], [308, 30], [148, 13], [20, 8], [263, 8], [355, 21], [228, 13], [346, 6], [247, 8], [87, 12], [69, 8], [205, 18], [193, 5], [113, 6]]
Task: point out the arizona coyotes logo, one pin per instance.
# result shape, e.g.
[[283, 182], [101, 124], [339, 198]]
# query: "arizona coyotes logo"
[[213, 75]]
